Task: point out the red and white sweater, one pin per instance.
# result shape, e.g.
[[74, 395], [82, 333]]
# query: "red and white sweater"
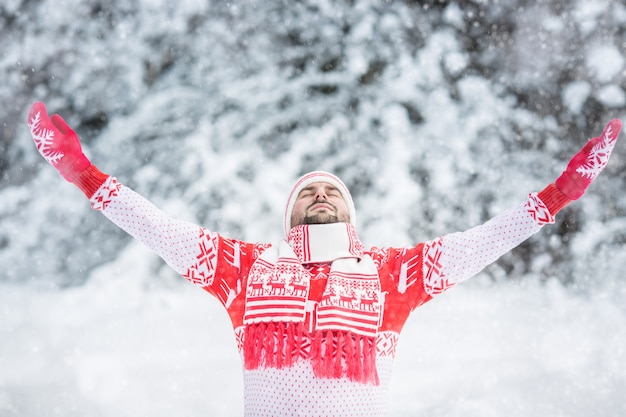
[[409, 277]]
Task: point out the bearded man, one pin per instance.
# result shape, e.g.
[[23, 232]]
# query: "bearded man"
[[317, 317]]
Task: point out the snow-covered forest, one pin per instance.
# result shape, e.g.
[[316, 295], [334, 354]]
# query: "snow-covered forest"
[[437, 115]]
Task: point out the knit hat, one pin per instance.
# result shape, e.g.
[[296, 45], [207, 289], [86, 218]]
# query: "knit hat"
[[310, 178]]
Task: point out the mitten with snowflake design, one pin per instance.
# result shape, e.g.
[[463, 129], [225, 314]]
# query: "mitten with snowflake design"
[[60, 146], [585, 166]]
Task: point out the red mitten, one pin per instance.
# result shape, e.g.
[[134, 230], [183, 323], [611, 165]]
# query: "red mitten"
[[57, 142], [588, 162]]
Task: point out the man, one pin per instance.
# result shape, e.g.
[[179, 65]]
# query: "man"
[[316, 317]]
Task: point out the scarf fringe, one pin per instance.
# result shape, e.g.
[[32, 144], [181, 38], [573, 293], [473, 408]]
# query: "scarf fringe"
[[333, 354]]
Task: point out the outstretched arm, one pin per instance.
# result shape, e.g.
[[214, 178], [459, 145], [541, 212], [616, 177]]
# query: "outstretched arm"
[[176, 241], [456, 257]]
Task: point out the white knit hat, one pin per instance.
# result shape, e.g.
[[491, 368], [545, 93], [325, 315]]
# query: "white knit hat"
[[310, 178]]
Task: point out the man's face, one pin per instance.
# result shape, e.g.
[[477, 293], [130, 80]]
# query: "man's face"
[[319, 203]]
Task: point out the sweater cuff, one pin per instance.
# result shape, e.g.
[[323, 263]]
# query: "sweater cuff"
[[90, 180], [553, 198]]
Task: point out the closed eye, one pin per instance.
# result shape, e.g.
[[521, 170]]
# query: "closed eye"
[[306, 192], [332, 191]]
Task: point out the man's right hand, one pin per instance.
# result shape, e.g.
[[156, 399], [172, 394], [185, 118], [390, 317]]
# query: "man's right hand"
[[57, 142]]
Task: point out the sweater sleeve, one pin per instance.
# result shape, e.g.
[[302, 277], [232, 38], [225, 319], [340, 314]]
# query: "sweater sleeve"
[[217, 264], [174, 240], [455, 257]]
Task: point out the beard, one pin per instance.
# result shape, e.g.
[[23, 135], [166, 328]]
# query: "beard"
[[327, 216], [320, 218], [323, 216]]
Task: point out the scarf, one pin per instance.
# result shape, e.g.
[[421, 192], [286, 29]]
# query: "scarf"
[[343, 340]]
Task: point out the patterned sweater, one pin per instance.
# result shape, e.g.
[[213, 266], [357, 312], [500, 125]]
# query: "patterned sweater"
[[409, 277]]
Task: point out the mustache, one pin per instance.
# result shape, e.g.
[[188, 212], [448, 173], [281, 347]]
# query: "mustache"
[[321, 202]]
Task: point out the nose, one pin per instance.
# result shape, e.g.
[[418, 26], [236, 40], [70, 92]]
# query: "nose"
[[320, 194]]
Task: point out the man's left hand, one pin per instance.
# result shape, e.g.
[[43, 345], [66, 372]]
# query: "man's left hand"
[[585, 166]]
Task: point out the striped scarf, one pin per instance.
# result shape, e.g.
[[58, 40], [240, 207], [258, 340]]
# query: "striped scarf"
[[342, 343]]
